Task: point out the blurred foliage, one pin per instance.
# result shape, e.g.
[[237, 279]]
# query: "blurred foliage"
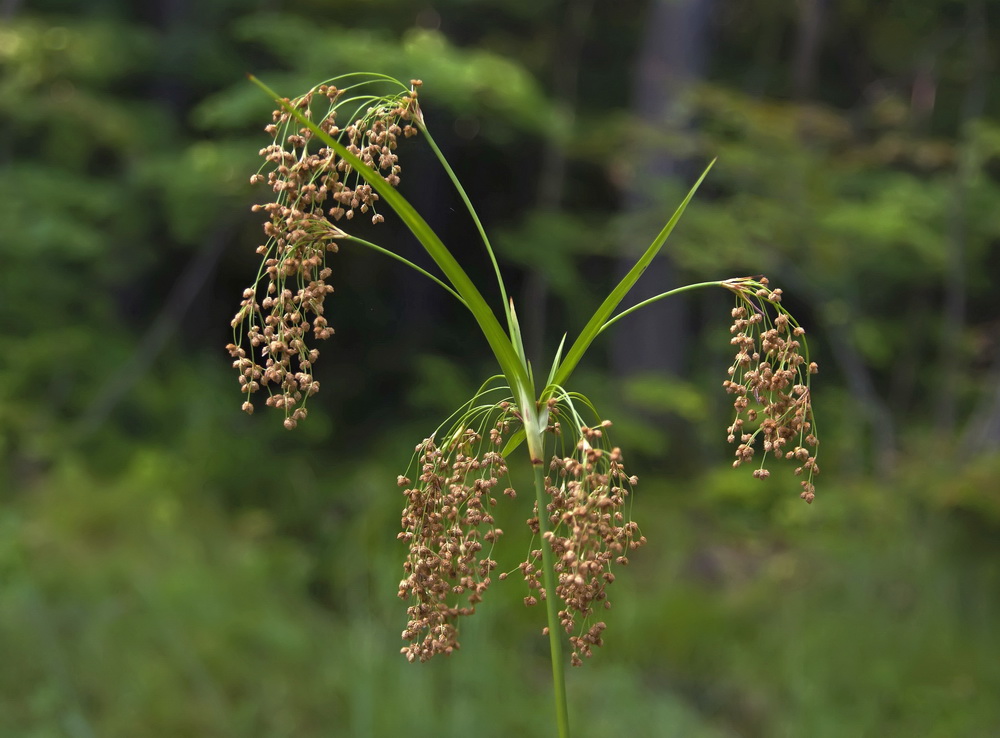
[[172, 567]]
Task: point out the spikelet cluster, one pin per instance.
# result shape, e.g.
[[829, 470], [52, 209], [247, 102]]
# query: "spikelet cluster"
[[449, 529], [770, 379], [589, 532], [282, 314]]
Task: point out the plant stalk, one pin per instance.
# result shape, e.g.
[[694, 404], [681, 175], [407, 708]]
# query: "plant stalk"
[[397, 257], [475, 218], [551, 607], [644, 303]]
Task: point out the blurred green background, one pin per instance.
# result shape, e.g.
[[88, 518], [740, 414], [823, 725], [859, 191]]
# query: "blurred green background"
[[172, 567]]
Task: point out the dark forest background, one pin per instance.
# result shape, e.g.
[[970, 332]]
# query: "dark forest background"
[[170, 566]]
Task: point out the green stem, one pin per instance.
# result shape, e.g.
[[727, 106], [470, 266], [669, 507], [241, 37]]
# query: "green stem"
[[397, 257], [551, 607], [472, 212], [685, 288]]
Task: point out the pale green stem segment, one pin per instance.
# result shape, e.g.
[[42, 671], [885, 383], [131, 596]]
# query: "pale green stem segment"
[[552, 608], [506, 355], [515, 337], [651, 300], [472, 212], [397, 257], [555, 365], [597, 321]]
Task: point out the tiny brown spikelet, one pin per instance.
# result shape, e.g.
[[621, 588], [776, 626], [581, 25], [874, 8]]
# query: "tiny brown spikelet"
[[770, 377], [312, 189], [449, 532]]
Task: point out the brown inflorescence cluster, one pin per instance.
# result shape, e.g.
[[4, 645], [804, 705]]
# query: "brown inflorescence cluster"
[[770, 377], [313, 187], [589, 532], [447, 526]]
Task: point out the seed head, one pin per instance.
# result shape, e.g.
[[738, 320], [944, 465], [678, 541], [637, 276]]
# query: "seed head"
[[589, 532], [770, 378], [306, 179], [445, 524]]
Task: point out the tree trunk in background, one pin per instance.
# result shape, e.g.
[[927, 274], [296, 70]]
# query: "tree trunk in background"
[[671, 59], [955, 280], [807, 47], [9, 7], [173, 18]]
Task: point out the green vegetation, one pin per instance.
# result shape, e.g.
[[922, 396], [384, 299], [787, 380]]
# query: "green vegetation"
[[170, 566]]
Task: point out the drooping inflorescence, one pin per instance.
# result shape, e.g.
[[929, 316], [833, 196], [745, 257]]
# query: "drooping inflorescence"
[[449, 530], [313, 189], [770, 377], [589, 532]]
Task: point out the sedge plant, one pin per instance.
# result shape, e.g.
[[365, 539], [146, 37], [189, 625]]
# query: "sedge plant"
[[333, 158]]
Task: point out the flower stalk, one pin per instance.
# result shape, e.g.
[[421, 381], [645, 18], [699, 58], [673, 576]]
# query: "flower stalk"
[[552, 612]]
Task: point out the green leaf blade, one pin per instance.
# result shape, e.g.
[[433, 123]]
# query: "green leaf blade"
[[597, 321]]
